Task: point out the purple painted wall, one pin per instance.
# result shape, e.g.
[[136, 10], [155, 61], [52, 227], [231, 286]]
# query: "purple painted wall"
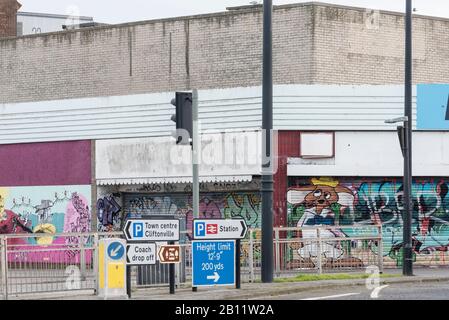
[[45, 164]]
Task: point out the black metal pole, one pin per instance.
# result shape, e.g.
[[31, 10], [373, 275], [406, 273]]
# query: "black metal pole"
[[407, 263], [128, 281], [238, 280], [267, 126], [172, 274]]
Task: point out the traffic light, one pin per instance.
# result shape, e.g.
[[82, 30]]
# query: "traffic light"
[[183, 117]]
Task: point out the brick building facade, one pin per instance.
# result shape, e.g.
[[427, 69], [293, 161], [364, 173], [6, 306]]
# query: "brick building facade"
[[314, 43], [8, 18]]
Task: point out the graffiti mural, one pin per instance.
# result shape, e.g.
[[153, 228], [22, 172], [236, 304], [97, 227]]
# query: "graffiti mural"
[[109, 214], [166, 188], [46, 211], [218, 205], [346, 202]]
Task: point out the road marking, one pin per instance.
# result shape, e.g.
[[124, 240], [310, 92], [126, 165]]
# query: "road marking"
[[375, 293], [332, 297]]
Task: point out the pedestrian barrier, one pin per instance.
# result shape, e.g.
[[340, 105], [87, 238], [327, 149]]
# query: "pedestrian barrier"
[[53, 263], [42, 263], [315, 250]]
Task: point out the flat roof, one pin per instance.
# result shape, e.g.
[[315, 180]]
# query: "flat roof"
[[50, 15], [228, 12]]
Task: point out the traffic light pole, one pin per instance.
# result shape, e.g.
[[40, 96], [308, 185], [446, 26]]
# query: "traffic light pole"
[[195, 162], [267, 127], [407, 263]]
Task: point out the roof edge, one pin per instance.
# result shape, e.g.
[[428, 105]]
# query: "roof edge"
[[243, 10]]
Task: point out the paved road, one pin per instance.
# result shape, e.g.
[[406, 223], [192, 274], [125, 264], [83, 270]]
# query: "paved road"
[[406, 291]]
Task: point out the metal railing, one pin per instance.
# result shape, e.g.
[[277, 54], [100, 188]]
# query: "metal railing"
[[42, 263], [299, 250], [315, 250]]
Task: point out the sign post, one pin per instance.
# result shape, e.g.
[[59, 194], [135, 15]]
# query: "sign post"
[[170, 254], [214, 230], [142, 235], [172, 274], [237, 265]]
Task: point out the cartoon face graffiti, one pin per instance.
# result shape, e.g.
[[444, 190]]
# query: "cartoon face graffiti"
[[321, 196]]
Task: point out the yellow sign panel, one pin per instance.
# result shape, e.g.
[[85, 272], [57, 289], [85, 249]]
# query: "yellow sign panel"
[[116, 273]]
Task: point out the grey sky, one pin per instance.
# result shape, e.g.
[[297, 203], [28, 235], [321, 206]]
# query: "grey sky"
[[115, 11]]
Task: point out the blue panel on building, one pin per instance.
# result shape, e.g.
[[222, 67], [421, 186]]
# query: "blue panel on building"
[[433, 107]]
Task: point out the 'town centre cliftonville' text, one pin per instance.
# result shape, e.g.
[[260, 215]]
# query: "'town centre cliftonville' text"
[[165, 230]]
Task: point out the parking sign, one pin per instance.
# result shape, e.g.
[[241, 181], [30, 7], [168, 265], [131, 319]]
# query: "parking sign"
[[200, 229], [138, 230], [152, 230], [205, 229]]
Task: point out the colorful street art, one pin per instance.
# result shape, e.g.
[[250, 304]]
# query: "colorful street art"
[[109, 214], [44, 211], [212, 205], [348, 202]]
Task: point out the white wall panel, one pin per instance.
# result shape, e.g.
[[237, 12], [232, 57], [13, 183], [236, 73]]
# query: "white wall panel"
[[296, 107], [377, 154], [231, 157]]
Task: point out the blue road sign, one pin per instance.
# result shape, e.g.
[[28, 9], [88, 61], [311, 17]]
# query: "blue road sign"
[[116, 250], [138, 230], [213, 263], [200, 229], [433, 107]]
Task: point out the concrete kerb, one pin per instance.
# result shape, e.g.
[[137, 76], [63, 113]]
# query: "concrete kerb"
[[254, 291], [330, 284], [248, 291], [52, 295]]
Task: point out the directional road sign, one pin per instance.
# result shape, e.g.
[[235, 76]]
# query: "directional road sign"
[[138, 230], [213, 263], [116, 250], [170, 254], [141, 254], [219, 229]]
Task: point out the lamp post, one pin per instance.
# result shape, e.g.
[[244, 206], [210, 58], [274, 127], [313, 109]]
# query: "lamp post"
[[407, 266], [267, 126], [405, 139]]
